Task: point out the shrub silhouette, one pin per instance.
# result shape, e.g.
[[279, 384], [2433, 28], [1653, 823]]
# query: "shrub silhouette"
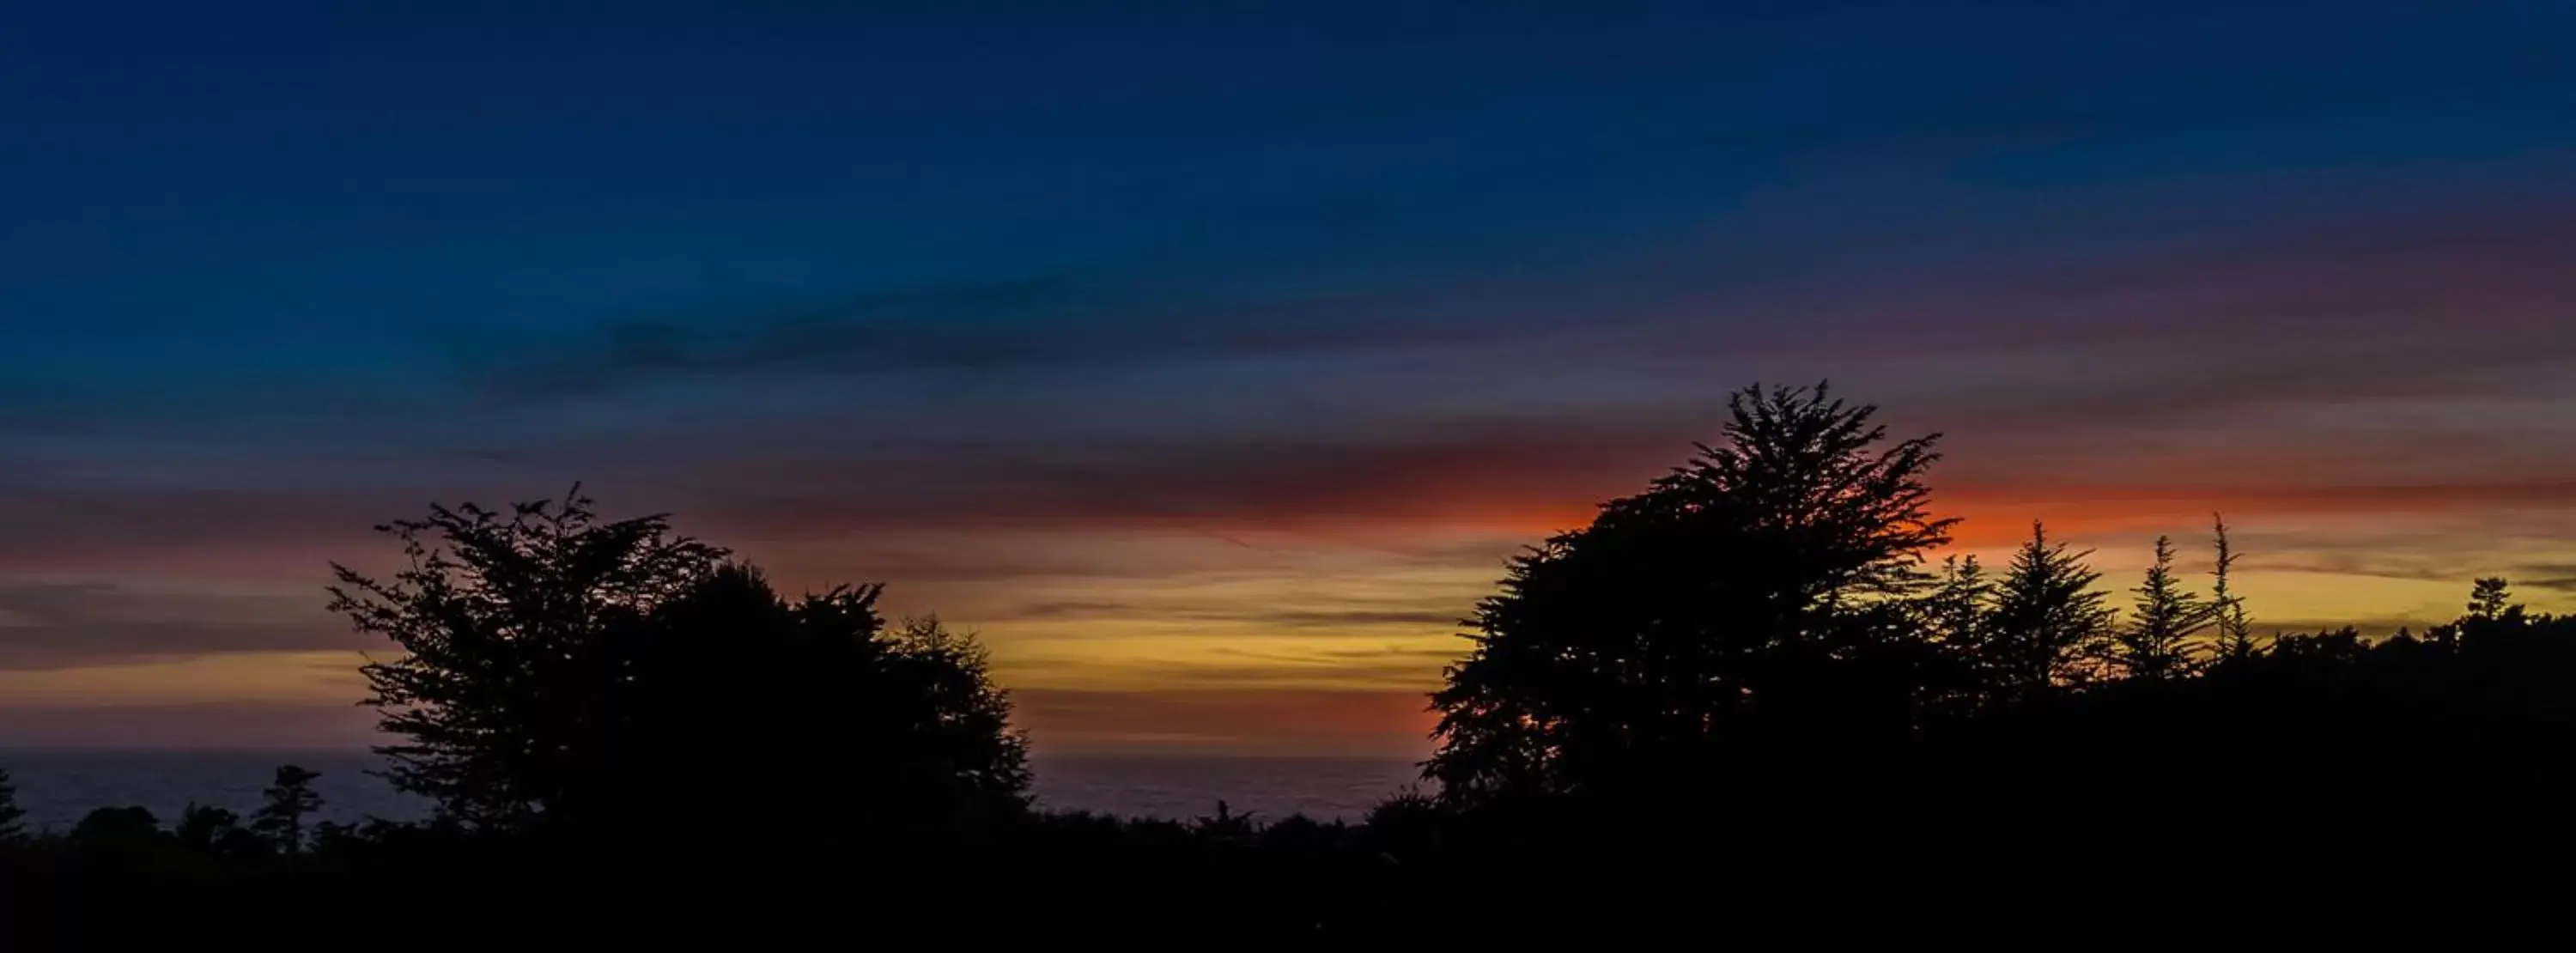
[[117, 827]]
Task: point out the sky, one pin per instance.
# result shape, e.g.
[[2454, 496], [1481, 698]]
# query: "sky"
[[1209, 359]]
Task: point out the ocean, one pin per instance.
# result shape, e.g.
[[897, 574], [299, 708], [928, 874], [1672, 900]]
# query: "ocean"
[[57, 787]]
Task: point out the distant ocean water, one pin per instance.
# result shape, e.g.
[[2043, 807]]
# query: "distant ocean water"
[[58, 787]]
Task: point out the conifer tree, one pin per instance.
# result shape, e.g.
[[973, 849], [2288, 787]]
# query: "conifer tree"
[[2491, 611], [1961, 603], [2048, 620], [13, 819], [2235, 628], [2154, 643], [2490, 598], [289, 799]]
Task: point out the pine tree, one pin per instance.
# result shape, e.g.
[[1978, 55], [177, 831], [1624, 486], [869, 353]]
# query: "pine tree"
[[2048, 620], [2490, 598], [13, 819], [290, 798], [1961, 603], [2226, 607], [2490, 611], [2154, 645], [1956, 620]]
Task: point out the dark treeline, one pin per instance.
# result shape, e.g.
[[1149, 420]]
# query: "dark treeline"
[[1743, 694]]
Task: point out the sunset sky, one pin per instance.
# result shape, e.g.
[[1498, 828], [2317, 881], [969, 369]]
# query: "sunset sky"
[[1211, 363]]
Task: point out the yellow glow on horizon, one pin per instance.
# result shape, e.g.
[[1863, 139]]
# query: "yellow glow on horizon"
[[1259, 638]]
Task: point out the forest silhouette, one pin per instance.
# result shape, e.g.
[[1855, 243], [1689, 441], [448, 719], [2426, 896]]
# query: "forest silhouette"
[[1747, 692]]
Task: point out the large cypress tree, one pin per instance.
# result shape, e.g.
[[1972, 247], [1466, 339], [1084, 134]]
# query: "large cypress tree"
[[1759, 591]]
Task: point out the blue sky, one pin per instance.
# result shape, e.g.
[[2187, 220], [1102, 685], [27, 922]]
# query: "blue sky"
[[997, 300]]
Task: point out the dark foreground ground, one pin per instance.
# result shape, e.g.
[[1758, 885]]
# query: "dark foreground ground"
[[1871, 856]]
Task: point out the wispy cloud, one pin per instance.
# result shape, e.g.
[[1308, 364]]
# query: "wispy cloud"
[[2559, 577], [52, 625]]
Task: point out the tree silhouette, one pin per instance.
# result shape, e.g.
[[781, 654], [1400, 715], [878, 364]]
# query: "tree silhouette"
[[288, 800], [502, 620], [2490, 598], [565, 669], [13, 819], [2048, 620], [953, 714], [1757, 591], [210, 829], [2226, 607], [2154, 643], [1957, 616], [1960, 608], [849, 721], [117, 827]]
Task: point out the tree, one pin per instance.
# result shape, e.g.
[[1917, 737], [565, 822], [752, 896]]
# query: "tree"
[[2490, 598], [958, 720], [562, 669], [502, 622], [13, 819], [1957, 616], [2492, 615], [1757, 592], [2226, 607], [1960, 609], [2165, 616], [288, 800], [2048, 619], [211, 829], [117, 828], [863, 727]]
